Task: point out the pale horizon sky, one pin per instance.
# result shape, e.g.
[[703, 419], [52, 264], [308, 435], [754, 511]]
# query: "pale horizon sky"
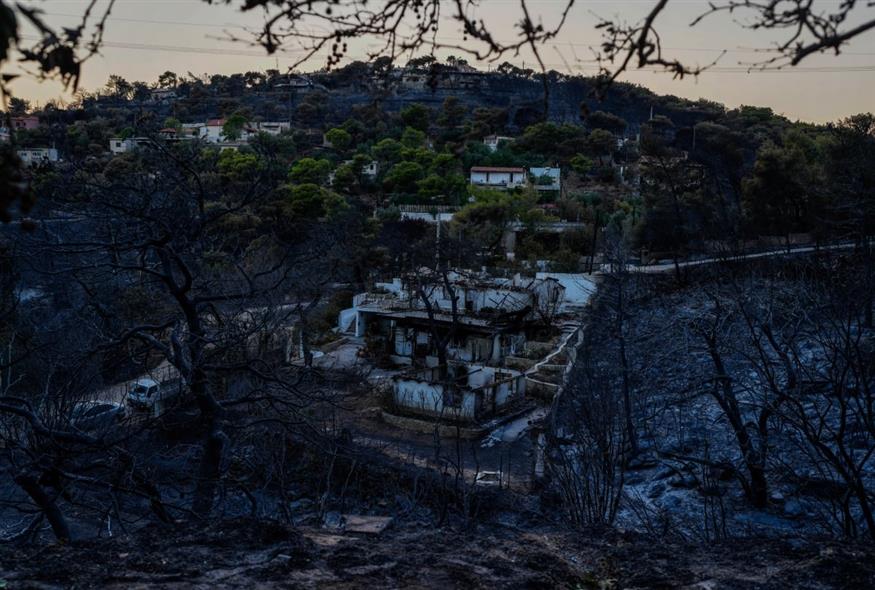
[[144, 38]]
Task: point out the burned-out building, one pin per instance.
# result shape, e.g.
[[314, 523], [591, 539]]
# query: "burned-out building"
[[459, 391], [466, 318]]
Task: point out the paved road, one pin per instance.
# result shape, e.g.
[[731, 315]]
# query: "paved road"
[[663, 267]]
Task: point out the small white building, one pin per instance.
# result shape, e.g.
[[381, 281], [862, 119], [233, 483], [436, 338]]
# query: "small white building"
[[428, 213], [213, 130], [162, 94], [498, 177], [38, 156], [546, 178], [195, 130], [269, 127], [459, 391], [117, 145], [494, 141], [371, 169]]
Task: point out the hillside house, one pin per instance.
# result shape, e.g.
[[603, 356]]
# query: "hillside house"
[[27, 122], [498, 177], [38, 156], [213, 130], [168, 133], [371, 169], [460, 392], [193, 130], [269, 127], [368, 171], [117, 145], [160, 95], [494, 141], [546, 178], [493, 317], [428, 213]]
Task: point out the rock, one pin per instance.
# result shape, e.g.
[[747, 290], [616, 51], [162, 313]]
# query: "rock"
[[793, 507]]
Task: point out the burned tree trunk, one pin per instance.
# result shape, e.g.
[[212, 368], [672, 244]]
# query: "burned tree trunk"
[[47, 505]]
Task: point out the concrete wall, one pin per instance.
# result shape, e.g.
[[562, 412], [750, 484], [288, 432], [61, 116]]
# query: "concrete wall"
[[346, 320], [428, 398], [213, 133]]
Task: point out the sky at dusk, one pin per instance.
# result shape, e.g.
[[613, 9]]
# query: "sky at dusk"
[[147, 37]]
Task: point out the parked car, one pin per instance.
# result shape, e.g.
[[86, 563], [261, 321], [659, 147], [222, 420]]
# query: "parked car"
[[97, 416], [145, 393], [488, 479]]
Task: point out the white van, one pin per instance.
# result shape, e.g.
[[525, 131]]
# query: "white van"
[[145, 393]]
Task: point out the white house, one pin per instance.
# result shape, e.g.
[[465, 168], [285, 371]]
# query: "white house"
[[195, 130], [269, 127], [493, 141], [371, 169], [37, 156], [498, 177], [117, 145], [428, 213], [162, 94], [213, 130], [546, 178]]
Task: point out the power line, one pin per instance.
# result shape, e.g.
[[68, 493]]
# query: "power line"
[[154, 22], [183, 49]]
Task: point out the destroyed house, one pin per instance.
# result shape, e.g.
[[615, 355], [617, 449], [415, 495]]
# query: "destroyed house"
[[491, 318], [460, 392]]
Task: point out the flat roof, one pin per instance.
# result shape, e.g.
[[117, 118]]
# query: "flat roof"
[[496, 169]]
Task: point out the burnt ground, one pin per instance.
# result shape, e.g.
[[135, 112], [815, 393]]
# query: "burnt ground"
[[244, 553]]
